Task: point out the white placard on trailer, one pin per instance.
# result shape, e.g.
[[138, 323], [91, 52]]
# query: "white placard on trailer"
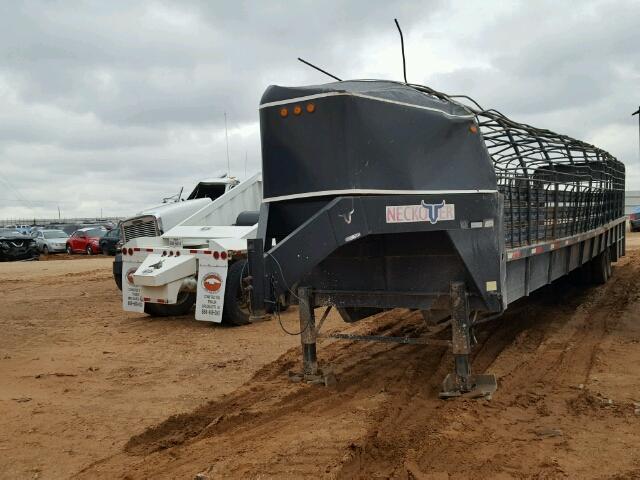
[[131, 294], [211, 287]]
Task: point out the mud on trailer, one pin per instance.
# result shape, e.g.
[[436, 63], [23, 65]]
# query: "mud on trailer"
[[379, 195]]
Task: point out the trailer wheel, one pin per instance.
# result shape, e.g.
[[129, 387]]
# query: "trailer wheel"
[[181, 307], [117, 270], [601, 268], [236, 296]]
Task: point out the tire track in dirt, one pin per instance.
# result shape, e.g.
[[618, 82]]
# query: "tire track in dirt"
[[269, 403], [403, 426], [547, 378], [384, 419]]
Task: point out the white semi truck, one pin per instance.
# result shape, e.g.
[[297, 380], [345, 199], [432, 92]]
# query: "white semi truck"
[[167, 268]]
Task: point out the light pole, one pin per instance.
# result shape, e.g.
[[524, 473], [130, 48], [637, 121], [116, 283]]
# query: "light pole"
[[637, 112]]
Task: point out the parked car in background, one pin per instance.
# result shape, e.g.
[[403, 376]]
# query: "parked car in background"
[[35, 228], [51, 241], [70, 228], [634, 220], [24, 229], [109, 243], [17, 246], [85, 240]]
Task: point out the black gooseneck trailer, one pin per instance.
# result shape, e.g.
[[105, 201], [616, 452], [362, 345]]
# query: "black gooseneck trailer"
[[379, 195]]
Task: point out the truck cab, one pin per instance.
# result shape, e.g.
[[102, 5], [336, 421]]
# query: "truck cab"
[[156, 220]]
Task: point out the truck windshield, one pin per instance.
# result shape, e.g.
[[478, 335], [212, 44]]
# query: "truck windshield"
[[204, 190]]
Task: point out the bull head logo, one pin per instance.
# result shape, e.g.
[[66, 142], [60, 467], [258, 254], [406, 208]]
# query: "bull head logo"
[[433, 210]]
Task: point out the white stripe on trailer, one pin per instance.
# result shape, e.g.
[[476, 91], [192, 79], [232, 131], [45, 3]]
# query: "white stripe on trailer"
[[368, 191], [367, 97], [519, 252]]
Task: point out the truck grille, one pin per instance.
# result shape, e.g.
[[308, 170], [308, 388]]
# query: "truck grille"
[[145, 226]]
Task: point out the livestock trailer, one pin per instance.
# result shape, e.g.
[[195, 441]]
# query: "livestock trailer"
[[381, 195]]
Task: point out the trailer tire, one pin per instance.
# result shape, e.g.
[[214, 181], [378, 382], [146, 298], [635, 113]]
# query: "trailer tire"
[[601, 268], [234, 295], [182, 307], [117, 270]]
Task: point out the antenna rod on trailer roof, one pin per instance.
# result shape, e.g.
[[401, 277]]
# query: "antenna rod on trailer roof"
[[319, 69], [404, 62]]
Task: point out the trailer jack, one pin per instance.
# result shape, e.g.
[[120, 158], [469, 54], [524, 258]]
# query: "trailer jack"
[[308, 337], [462, 381]]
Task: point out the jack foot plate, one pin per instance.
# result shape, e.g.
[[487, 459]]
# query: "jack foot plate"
[[323, 377], [478, 386]]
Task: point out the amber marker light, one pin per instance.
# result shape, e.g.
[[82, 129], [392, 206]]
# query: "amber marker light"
[[473, 128], [284, 112], [311, 108], [297, 110]]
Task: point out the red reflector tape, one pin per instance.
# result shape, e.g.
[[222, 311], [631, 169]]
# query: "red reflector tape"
[[193, 251], [147, 299], [136, 249], [515, 254], [149, 249], [160, 300], [207, 252]]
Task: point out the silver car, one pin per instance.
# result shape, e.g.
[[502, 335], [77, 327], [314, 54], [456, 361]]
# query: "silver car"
[[51, 241]]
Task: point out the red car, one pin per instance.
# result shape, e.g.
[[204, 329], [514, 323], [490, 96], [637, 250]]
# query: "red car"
[[86, 240]]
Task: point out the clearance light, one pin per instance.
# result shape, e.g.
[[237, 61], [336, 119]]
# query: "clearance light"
[[311, 108], [297, 110], [130, 252], [284, 112], [124, 251], [223, 255], [216, 255], [473, 128]]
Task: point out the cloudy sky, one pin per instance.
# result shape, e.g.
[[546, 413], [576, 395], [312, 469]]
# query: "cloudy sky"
[[114, 105]]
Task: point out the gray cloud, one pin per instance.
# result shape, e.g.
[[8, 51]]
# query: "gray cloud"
[[119, 104]]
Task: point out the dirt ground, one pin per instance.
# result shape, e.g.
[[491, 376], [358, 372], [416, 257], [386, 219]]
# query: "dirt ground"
[[88, 391]]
